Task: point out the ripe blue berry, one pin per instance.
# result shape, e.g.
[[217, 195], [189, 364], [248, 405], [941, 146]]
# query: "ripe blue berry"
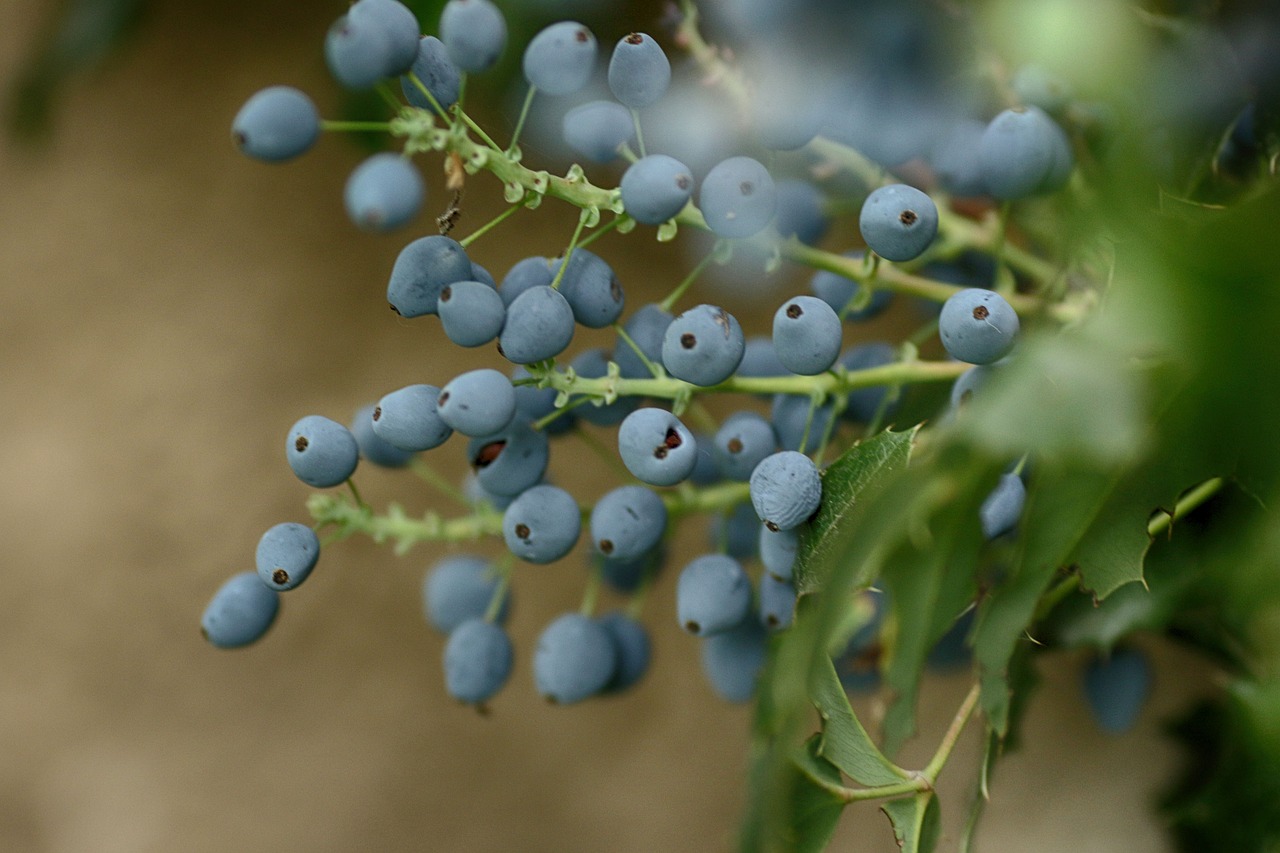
[[542, 524], [434, 70], [628, 522], [864, 404], [712, 595], [384, 192], [399, 27], [358, 53], [732, 660], [560, 58], [240, 613], [321, 452], [1116, 688], [408, 418], [656, 447], [704, 345], [631, 649], [777, 602], [977, 326], [956, 159], [646, 328], [508, 462], [969, 383], [524, 274], [286, 555], [575, 659], [477, 403], [806, 335], [656, 188], [591, 289], [474, 32], [898, 222], [742, 441], [738, 198], [373, 448], [421, 271], [460, 588], [276, 124], [778, 551], [1022, 153], [471, 313], [477, 661], [639, 71], [800, 212], [733, 532], [597, 130], [786, 489], [1002, 508], [539, 326]]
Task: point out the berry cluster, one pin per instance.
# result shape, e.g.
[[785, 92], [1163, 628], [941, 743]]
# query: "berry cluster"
[[758, 472]]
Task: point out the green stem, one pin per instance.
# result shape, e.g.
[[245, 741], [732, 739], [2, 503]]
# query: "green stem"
[[440, 484], [635, 121], [504, 567], [356, 493], [479, 131], [568, 253], [600, 232], [1162, 521], [431, 99], [653, 369], [491, 224], [524, 113], [384, 90], [939, 760], [591, 594], [343, 126], [674, 296]]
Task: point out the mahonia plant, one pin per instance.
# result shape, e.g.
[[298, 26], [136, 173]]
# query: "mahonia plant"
[[1072, 391]]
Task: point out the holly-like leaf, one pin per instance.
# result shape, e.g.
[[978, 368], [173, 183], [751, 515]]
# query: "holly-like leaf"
[[915, 822], [844, 742], [793, 805], [846, 481]]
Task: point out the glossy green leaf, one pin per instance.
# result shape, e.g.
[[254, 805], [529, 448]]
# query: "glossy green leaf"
[[916, 823], [790, 810], [844, 742]]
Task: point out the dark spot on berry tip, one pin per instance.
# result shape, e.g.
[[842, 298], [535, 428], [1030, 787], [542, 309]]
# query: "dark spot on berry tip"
[[735, 445], [239, 139], [446, 294], [721, 318], [582, 36], [908, 217], [672, 439], [500, 352], [300, 444], [683, 181], [280, 576], [966, 397], [606, 546], [773, 528], [482, 709], [442, 399], [746, 188], [981, 313], [377, 412], [522, 531], [692, 627], [660, 452], [488, 454], [771, 621], [635, 38], [794, 311], [393, 308], [688, 340], [615, 290]]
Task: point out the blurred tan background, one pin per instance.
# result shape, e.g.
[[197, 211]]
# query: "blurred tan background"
[[167, 310]]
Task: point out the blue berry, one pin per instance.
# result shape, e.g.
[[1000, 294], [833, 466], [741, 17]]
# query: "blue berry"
[[741, 443], [970, 383], [713, 595], [384, 192], [560, 58], [478, 495], [778, 551], [704, 346], [474, 32], [575, 659], [898, 222], [840, 293], [240, 613], [864, 404], [358, 53], [732, 660], [591, 289], [593, 364], [408, 419], [656, 447], [806, 335], [508, 462], [956, 159], [482, 275], [477, 661], [1116, 688], [777, 602], [977, 326], [460, 588], [738, 198], [373, 448], [434, 70], [734, 532], [800, 212], [286, 555], [399, 27], [639, 71], [539, 326], [631, 650], [597, 130], [790, 416], [628, 522], [471, 313], [1023, 152], [276, 124], [530, 272], [533, 404], [646, 328], [786, 489], [1002, 508], [421, 271], [321, 452], [705, 470], [542, 524], [656, 188], [477, 403]]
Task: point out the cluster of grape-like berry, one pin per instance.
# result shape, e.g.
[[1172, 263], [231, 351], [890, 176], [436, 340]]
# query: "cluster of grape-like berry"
[[759, 474]]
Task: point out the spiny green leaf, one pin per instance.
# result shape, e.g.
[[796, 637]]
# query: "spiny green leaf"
[[846, 480], [916, 823], [844, 742]]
